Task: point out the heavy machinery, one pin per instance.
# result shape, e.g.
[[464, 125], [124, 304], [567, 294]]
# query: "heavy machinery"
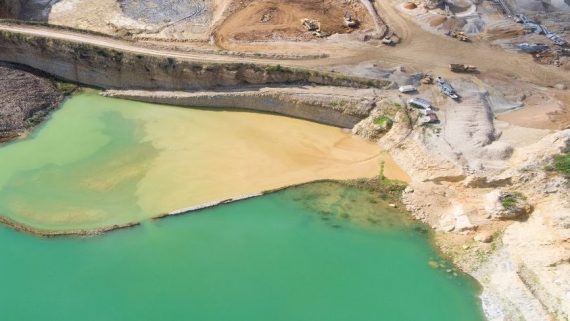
[[532, 47], [445, 88], [349, 22], [459, 35], [313, 26], [462, 68]]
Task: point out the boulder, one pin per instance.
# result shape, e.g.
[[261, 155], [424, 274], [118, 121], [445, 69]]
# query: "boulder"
[[506, 205]]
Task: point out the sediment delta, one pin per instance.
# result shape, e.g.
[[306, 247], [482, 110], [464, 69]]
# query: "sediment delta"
[[162, 159]]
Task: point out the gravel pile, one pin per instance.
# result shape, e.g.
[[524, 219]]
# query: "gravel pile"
[[165, 11]]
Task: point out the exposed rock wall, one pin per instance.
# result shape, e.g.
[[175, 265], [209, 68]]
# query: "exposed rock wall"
[[323, 105], [108, 68]]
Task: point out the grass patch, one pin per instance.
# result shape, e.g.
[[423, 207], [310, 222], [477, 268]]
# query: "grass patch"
[[561, 165], [384, 121], [274, 68], [510, 201]]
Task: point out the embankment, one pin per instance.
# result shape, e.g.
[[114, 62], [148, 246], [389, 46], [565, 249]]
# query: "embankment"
[[327, 105], [109, 68]]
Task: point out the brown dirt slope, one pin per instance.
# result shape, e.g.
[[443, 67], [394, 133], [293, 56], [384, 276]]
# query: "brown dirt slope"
[[25, 99], [256, 20]]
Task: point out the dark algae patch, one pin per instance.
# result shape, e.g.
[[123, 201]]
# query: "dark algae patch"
[[306, 253]]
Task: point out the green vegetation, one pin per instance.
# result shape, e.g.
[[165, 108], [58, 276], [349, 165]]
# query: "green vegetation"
[[560, 164], [510, 201], [384, 121], [66, 88], [386, 189], [274, 68]]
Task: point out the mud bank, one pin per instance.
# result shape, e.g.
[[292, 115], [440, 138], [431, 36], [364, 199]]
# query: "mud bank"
[[335, 106], [389, 190], [49, 233], [103, 67]]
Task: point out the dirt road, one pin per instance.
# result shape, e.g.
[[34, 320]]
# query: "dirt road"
[[419, 50]]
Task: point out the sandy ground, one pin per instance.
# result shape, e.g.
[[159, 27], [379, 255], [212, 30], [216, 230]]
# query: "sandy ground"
[[239, 153], [281, 20]]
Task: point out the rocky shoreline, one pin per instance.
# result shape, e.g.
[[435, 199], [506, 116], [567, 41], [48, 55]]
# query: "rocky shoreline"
[[26, 99]]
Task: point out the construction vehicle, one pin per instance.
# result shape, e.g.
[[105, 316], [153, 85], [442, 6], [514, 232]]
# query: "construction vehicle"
[[349, 22], [407, 89], [311, 25], [420, 103], [462, 68], [532, 47], [445, 88], [459, 35], [314, 26]]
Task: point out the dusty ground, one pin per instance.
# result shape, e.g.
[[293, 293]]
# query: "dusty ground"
[[256, 20]]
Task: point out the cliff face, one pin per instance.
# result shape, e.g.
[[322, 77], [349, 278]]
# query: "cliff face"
[[111, 69], [316, 104], [25, 99], [10, 9]]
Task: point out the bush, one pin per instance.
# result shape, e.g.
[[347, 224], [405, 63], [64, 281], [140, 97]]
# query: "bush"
[[383, 121], [509, 201], [562, 164]]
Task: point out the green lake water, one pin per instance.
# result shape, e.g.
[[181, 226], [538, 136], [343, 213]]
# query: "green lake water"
[[322, 251], [59, 161], [293, 255]]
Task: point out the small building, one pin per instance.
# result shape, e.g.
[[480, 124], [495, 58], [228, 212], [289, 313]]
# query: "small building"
[[407, 89], [421, 103]]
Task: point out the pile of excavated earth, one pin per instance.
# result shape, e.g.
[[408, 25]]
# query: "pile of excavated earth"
[[476, 162], [25, 100]]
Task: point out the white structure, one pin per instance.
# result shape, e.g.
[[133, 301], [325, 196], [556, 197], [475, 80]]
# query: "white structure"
[[407, 89], [419, 103]]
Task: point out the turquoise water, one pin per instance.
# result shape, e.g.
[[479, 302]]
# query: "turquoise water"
[[292, 256]]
